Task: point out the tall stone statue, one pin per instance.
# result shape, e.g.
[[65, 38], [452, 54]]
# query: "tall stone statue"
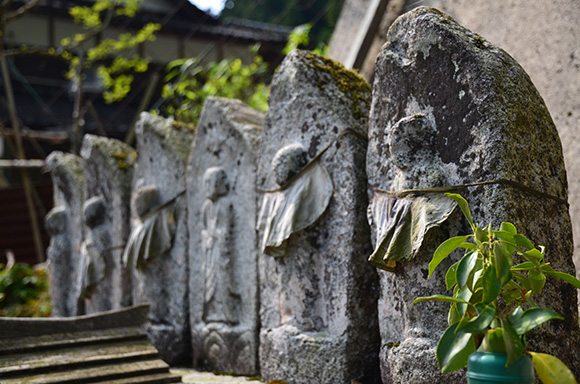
[[450, 109], [223, 245], [156, 252], [221, 295], [317, 290], [96, 260], [108, 173], [58, 257], [64, 225]]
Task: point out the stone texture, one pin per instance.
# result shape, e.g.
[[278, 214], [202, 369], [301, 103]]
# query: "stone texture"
[[108, 173], [318, 297], [64, 251], [222, 199], [160, 269], [445, 97], [543, 38]]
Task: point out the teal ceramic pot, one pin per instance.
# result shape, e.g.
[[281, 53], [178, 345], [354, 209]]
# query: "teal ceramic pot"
[[489, 368]]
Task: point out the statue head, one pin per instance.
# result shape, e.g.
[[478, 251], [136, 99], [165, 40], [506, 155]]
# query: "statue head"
[[288, 161], [145, 199], [55, 220], [215, 182], [94, 211], [412, 141]]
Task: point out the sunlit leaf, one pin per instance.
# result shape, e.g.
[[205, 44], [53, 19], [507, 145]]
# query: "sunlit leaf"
[[444, 250], [524, 321], [463, 205], [561, 275], [508, 227], [451, 277], [479, 323], [465, 267], [537, 279], [444, 298], [523, 241], [552, 370], [493, 341]]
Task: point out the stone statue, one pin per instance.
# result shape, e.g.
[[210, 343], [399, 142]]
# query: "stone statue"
[[221, 297], [95, 252], [59, 262], [402, 222], [304, 194], [153, 235]]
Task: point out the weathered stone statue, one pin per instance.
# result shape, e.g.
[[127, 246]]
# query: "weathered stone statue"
[[58, 257], [63, 223], [222, 299], [299, 204], [96, 262], [156, 251], [317, 293], [450, 109], [223, 247], [152, 235], [108, 171]]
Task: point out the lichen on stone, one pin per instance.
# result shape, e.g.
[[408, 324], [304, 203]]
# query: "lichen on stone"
[[353, 85]]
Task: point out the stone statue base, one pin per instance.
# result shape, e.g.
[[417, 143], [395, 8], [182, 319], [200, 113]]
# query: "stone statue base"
[[226, 348], [321, 356]]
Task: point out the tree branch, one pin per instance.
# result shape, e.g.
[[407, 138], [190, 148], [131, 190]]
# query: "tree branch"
[[10, 16]]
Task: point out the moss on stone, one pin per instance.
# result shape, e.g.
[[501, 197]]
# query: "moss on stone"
[[353, 85]]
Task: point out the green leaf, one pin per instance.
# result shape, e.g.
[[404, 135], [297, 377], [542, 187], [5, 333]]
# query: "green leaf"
[[523, 280], [505, 235], [508, 227], [444, 298], [513, 343], [493, 341], [451, 277], [481, 236], [463, 205], [552, 370], [466, 265], [479, 323], [534, 256], [523, 241], [561, 275], [453, 349], [463, 295], [523, 322], [526, 266], [491, 285], [444, 250], [537, 279], [469, 246], [503, 262]]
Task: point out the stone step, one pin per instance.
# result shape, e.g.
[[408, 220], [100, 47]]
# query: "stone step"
[[130, 372], [95, 355]]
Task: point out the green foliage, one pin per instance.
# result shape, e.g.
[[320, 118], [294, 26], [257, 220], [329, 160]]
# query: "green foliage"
[[300, 35], [117, 77], [490, 295], [24, 291], [189, 83]]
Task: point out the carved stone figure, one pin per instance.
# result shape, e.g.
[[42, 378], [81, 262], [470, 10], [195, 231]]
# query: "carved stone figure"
[[156, 252], [317, 294], [302, 198], [95, 258], [402, 222], [221, 295], [152, 235], [58, 257], [64, 224], [223, 246], [448, 102]]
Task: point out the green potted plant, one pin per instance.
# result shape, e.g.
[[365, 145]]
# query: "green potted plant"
[[492, 307]]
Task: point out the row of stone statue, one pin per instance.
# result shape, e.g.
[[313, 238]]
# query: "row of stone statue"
[[251, 236]]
